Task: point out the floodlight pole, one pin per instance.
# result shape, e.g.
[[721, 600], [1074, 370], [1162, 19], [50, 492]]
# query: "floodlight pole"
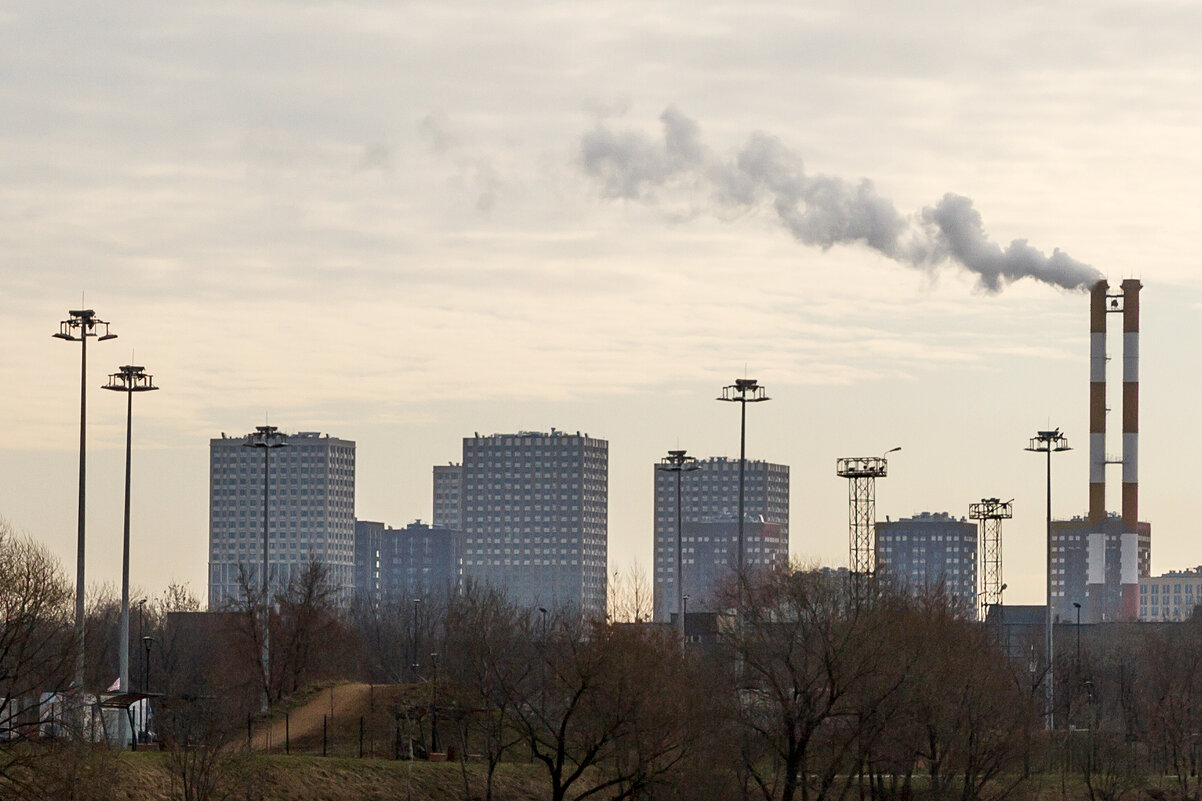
[[743, 391], [129, 380], [677, 462], [1049, 442], [81, 324], [267, 438]]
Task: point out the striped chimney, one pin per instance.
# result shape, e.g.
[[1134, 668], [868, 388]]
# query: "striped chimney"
[[1131, 288], [1097, 402]]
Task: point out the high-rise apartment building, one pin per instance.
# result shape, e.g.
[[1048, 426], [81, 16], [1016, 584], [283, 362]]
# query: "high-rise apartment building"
[[1099, 564], [535, 516], [311, 508], [930, 552], [709, 512], [448, 483], [416, 561]]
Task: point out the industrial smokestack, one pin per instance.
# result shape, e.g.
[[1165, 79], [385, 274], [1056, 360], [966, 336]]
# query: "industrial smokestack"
[[1131, 288], [1097, 402]]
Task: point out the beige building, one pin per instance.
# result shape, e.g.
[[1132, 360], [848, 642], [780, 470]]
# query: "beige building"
[[1171, 597]]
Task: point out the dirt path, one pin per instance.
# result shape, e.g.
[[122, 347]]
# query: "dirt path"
[[305, 721]]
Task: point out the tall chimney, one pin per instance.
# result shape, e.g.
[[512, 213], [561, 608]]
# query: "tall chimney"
[[1097, 402], [1131, 288]]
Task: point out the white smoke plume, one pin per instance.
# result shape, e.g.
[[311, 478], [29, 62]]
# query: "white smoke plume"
[[816, 209]]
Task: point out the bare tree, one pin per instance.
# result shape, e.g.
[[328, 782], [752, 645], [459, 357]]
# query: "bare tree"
[[601, 714], [489, 659], [308, 636], [631, 599], [1173, 699], [36, 649], [959, 713], [196, 732], [808, 664], [296, 638]]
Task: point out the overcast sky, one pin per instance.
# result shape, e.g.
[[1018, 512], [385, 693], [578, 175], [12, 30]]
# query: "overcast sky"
[[400, 223]]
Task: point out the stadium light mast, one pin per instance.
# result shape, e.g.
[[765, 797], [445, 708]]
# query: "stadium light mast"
[[677, 462], [81, 324], [129, 379], [1049, 442], [743, 391]]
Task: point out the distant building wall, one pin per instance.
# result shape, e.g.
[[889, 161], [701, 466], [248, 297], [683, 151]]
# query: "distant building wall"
[[1172, 597], [929, 552], [311, 513], [710, 495], [535, 512]]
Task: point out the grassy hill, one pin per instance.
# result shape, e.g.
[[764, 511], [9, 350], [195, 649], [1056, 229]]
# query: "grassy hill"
[[147, 776]]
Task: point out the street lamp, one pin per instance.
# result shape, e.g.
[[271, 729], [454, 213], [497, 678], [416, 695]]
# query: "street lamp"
[[129, 380], [81, 324], [677, 462], [267, 438], [1077, 606], [434, 704], [542, 666], [1049, 442], [743, 391], [416, 664], [684, 606], [1003, 636], [147, 641], [142, 633]]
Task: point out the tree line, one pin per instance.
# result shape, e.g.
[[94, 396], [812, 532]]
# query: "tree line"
[[802, 692]]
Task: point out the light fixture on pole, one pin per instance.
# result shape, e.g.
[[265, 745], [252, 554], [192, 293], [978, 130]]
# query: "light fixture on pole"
[[141, 604], [417, 602], [1077, 606], [267, 438], [130, 379], [684, 606], [147, 641], [861, 473], [743, 391], [81, 324], [677, 462], [1049, 442], [1003, 636]]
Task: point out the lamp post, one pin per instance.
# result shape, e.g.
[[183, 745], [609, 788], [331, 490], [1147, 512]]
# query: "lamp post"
[[1003, 636], [81, 324], [267, 438], [434, 704], [416, 664], [146, 643], [130, 379], [142, 633], [677, 462], [743, 391], [1049, 442], [1077, 661], [684, 607], [542, 666]]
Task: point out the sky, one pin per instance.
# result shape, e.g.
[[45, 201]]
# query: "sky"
[[402, 223]]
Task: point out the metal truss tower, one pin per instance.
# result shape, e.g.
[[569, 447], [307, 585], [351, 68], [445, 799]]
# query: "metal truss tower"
[[861, 473], [991, 512]]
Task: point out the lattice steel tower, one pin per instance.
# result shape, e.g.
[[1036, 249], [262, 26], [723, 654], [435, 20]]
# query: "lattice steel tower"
[[861, 473], [991, 512]]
